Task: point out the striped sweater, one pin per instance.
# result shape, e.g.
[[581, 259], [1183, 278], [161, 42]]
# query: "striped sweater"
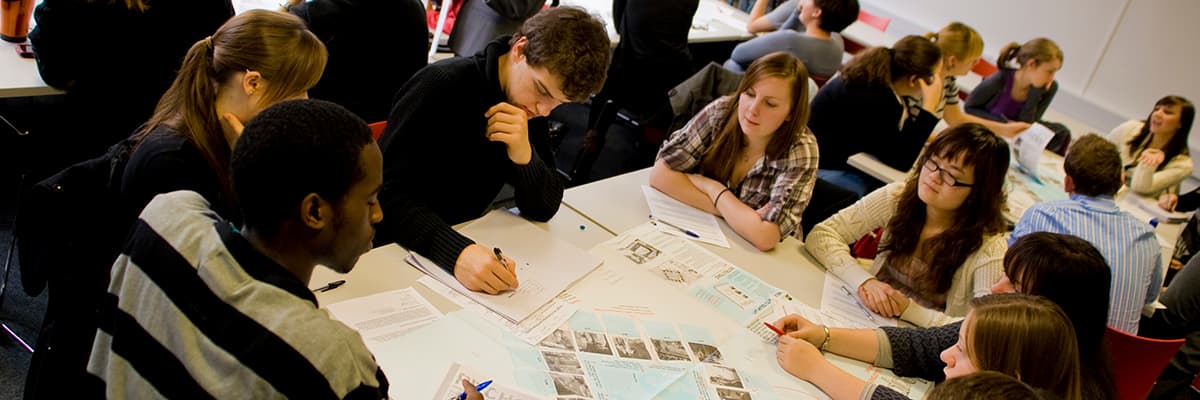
[[193, 310]]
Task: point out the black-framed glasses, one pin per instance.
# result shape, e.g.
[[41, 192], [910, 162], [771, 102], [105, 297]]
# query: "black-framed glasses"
[[932, 166]]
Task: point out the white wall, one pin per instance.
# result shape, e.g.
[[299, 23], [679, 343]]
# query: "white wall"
[[1120, 55]]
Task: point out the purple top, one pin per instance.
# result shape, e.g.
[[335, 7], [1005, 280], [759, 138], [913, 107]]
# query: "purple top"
[[1005, 105]]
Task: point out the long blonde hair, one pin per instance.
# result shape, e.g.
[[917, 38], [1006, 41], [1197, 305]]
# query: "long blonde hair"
[[1025, 337], [274, 44], [958, 40], [1039, 50], [722, 155]]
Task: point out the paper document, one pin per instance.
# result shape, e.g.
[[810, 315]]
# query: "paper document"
[[532, 330], [545, 265], [451, 386], [1150, 207], [1030, 144], [841, 307], [386, 316], [685, 219]]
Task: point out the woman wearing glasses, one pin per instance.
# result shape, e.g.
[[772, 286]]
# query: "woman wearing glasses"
[[943, 232], [871, 107]]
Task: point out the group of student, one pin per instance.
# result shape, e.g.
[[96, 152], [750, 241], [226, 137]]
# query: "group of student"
[[237, 186]]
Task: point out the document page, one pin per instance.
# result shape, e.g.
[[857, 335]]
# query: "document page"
[[678, 219], [841, 307], [545, 265], [383, 317]]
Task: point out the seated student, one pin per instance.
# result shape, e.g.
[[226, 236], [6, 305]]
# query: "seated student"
[[1155, 151], [1062, 268], [1022, 94], [1019, 335], [748, 157], [816, 42], [458, 132], [984, 385], [254, 60], [374, 47], [943, 232], [1093, 176], [195, 303], [961, 47], [1181, 318], [861, 110]]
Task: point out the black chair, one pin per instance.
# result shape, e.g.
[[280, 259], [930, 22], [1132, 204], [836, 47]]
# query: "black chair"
[[481, 21]]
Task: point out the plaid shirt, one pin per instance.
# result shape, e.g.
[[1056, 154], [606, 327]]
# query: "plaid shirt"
[[778, 189]]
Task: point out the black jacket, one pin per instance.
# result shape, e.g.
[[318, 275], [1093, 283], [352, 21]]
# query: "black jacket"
[[849, 119]]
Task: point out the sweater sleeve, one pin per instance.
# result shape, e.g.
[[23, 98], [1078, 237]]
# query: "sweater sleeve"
[[1044, 102], [977, 102], [410, 222], [538, 189], [879, 392], [1149, 181], [980, 271], [916, 352], [829, 241]]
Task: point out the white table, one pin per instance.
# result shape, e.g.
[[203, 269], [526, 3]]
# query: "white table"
[[714, 21], [19, 76], [617, 203]]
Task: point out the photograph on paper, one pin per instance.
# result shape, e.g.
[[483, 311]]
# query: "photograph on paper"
[[566, 363]]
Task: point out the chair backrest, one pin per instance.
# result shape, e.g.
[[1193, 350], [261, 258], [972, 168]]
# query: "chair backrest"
[[984, 68], [819, 80], [880, 23], [477, 24], [1137, 361], [377, 129]]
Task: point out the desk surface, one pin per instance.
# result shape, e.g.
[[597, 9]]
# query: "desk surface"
[[617, 203], [714, 21], [19, 76]]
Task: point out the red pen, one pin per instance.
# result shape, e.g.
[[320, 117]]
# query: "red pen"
[[774, 329]]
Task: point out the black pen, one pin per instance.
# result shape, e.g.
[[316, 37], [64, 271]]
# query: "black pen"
[[331, 286]]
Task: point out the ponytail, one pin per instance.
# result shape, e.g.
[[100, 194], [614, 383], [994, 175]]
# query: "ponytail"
[[879, 66], [1039, 50], [1008, 53]]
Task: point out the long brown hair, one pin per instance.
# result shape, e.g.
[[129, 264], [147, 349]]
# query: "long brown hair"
[[1025, 337], [1179, 141], [958, 40], [879, 66], [1039, 50], [274, 44], [722, 154], [980, 215]]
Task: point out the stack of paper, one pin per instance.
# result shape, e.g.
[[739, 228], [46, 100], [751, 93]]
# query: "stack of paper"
[[683, 220], [545, 265]]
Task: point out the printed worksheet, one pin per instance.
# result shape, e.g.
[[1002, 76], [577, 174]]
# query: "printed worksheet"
[[451, 386], [678, 219], [841, 307], [532, 329], [386, 316]]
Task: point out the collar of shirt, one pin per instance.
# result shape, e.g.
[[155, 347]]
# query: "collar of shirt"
[[1104, 204], [259, 266]]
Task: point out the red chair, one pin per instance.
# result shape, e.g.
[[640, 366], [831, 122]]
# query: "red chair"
[[377, 129], [880, 23], [875, 21], [984, 68], [1137, 361], [819, 80]]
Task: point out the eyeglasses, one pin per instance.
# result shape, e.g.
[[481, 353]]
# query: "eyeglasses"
[[932, 166]]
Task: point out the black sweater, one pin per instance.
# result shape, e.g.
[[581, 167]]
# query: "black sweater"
[[849, 119], [374, 47], [439, 168]]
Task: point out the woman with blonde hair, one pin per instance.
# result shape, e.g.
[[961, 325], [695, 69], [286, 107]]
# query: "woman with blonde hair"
[[1022, 92], [254, 60], [961, 48], [748, 157], [1026, 337]]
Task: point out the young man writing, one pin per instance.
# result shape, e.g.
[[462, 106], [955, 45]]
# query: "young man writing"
[[1093, 177], [459, 131]]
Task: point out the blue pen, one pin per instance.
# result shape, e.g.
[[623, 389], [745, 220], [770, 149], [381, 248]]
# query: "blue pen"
[[479, 387], [685, 231]]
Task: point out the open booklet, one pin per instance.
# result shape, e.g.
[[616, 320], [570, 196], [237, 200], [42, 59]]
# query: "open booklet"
[[545, 265]]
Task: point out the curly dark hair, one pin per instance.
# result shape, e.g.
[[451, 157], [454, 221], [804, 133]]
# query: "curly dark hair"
[[570, 43], [290, 150]]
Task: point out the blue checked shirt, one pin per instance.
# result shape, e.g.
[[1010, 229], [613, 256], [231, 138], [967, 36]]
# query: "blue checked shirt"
[[1129, 246]]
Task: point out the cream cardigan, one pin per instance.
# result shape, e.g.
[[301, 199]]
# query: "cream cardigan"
[[1146, 181], [829, 244]]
